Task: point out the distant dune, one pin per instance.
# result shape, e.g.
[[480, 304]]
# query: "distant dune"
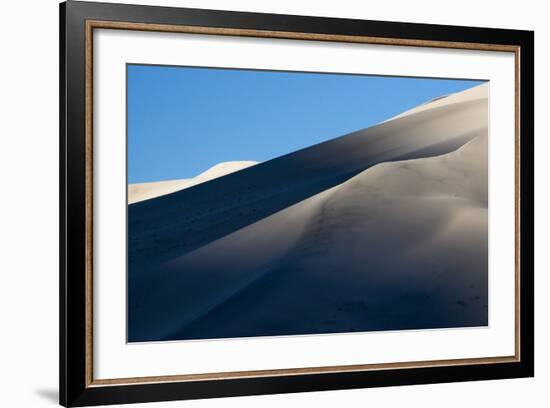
[[145, 191], [383, 229]]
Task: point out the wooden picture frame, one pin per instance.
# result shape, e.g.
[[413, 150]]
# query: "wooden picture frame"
[[78, 386]]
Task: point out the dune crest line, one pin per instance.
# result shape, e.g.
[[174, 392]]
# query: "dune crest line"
[[178, 223]]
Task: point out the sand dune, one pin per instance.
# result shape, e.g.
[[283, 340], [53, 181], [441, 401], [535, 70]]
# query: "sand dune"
[[390, 233], [401, 245], [145, 191], [178, 223]]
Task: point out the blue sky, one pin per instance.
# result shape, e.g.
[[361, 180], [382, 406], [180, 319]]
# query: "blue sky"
[[182, 121]]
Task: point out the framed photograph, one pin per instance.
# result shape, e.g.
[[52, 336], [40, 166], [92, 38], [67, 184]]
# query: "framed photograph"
[[256, 203]]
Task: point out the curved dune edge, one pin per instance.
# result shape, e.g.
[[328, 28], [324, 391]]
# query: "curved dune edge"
[[145, 191], [426, 210]]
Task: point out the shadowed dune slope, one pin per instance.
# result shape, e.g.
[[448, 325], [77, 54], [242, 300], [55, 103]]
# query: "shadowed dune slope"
[[401, 245], [397, 245], [174, 224]]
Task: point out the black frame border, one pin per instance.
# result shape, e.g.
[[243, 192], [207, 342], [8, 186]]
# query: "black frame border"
[[74, 387]]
